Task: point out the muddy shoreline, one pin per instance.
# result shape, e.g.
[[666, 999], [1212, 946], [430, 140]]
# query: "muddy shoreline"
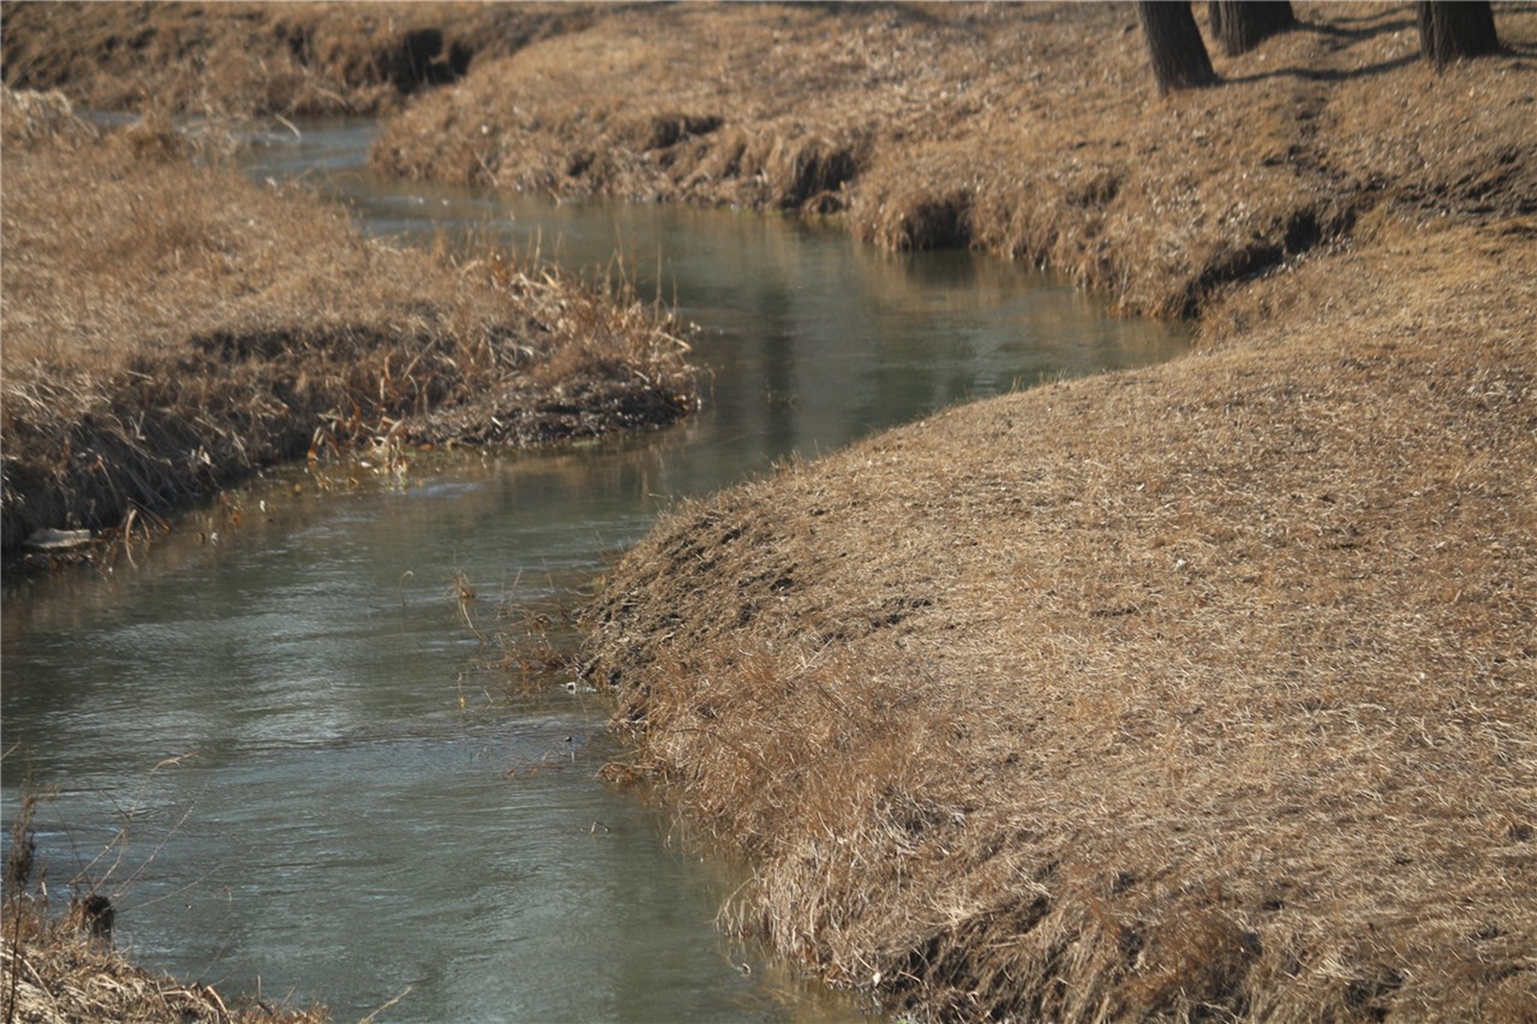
[[1200, 690]]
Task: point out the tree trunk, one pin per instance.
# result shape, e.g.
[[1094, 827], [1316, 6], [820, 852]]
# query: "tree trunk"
[[1240, 25], [1174, 43], [1451, 31]]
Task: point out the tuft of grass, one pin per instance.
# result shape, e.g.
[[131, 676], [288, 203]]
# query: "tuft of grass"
[[172, 327], [64, 966], [56, 970]]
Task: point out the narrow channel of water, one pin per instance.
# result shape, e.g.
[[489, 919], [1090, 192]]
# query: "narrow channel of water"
[[273, 741]]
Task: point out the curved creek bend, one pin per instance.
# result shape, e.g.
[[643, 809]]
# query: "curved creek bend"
[[355, 807]]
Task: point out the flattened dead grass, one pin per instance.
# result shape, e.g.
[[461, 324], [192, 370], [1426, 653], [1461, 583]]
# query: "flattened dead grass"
[[171, 327]]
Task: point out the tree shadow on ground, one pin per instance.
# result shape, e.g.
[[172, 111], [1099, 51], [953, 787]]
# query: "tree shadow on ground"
[[1358, 28], [1328, 74]]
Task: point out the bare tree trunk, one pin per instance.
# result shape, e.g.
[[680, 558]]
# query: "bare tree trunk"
[[1240, 25], [1452, 31], [1174, 43]]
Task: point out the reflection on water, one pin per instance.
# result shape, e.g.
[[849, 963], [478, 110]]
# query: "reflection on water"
[[346, 805]]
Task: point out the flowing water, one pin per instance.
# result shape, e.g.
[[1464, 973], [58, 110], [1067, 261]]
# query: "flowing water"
[[273, 742]]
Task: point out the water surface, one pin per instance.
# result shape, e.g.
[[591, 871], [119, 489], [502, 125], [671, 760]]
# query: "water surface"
[[277, 742]]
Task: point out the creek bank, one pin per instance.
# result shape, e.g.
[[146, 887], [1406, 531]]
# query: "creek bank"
[[172, 327], [1199, 689], [1031, 132]]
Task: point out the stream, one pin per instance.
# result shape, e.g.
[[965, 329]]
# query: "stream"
[[278, 744]]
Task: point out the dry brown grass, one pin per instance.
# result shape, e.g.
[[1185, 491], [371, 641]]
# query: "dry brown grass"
[[261, 58], [171, 326], [1201, 691], [1028, 130]]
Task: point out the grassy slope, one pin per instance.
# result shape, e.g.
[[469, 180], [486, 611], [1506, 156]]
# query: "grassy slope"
[[1207, 684]]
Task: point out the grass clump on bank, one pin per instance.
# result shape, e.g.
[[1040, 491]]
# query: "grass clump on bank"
[[171, 327], [56, 970], [64, 967]]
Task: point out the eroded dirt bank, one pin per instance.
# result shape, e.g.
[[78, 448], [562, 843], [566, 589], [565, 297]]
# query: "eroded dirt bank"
[[171, 327]]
